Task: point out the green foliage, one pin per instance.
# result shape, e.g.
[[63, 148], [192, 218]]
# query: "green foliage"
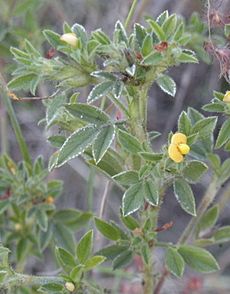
[[109, 131], [175, 262], [198, 259], [184, 196]]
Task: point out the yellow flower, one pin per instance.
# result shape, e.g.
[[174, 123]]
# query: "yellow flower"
[[69, 286], [178, 147], [70, 38], [227, 97], [49, 200]]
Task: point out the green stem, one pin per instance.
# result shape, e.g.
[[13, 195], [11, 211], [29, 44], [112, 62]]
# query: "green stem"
[[148, 275], [203, 206], [90, 186], [18, 280], [18, 133], [131, 13], [3, 127], [148, 279]]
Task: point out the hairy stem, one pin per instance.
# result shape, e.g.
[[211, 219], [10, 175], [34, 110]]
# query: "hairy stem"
[[18, 133], [148, 279]]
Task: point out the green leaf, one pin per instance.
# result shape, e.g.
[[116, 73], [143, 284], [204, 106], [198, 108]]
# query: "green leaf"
[[157, 30], [53, 38], [184, 123], [151, 193], [194, 170], [123, 259], [111, 164], [162, 17], [140, 33], [218, 95], [31, 50], [120, 34], [194, 115], [53, 108], [107, 230], [224, 134], [100, 90], [104, 75], [42, 219], [225, 171], [152, 59], [81, 33], [214, 107], [215, 162], [179, 32], [129, 142], [132, 199], [93, 262], [103, 142], [147, 46], [63, 237], [222, 235], [84, 247], [88, 113], [52, 288], [19, 53], [22, 249], [150, 156], [117, 89], [127, 177], [169, 25], [205, 127], [204, 242], [76, 143], [130, 222], [44, 238], [76, 272], [101, 37], [112, 251], [198, 259], [66, 259], [209, 219], [187, 58], [21, 82], [167, 84], [174, 262], [184, 196]]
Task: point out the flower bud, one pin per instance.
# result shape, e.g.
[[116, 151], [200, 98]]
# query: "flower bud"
[[227, 97], [49, 200], [70, 38], [69, 286], [17, 227]]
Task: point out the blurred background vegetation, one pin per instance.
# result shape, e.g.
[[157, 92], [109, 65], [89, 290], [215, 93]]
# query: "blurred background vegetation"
[[20, 19]]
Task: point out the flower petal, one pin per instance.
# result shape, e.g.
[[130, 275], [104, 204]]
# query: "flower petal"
[[174, 153], [183, 148], [179, 138]]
